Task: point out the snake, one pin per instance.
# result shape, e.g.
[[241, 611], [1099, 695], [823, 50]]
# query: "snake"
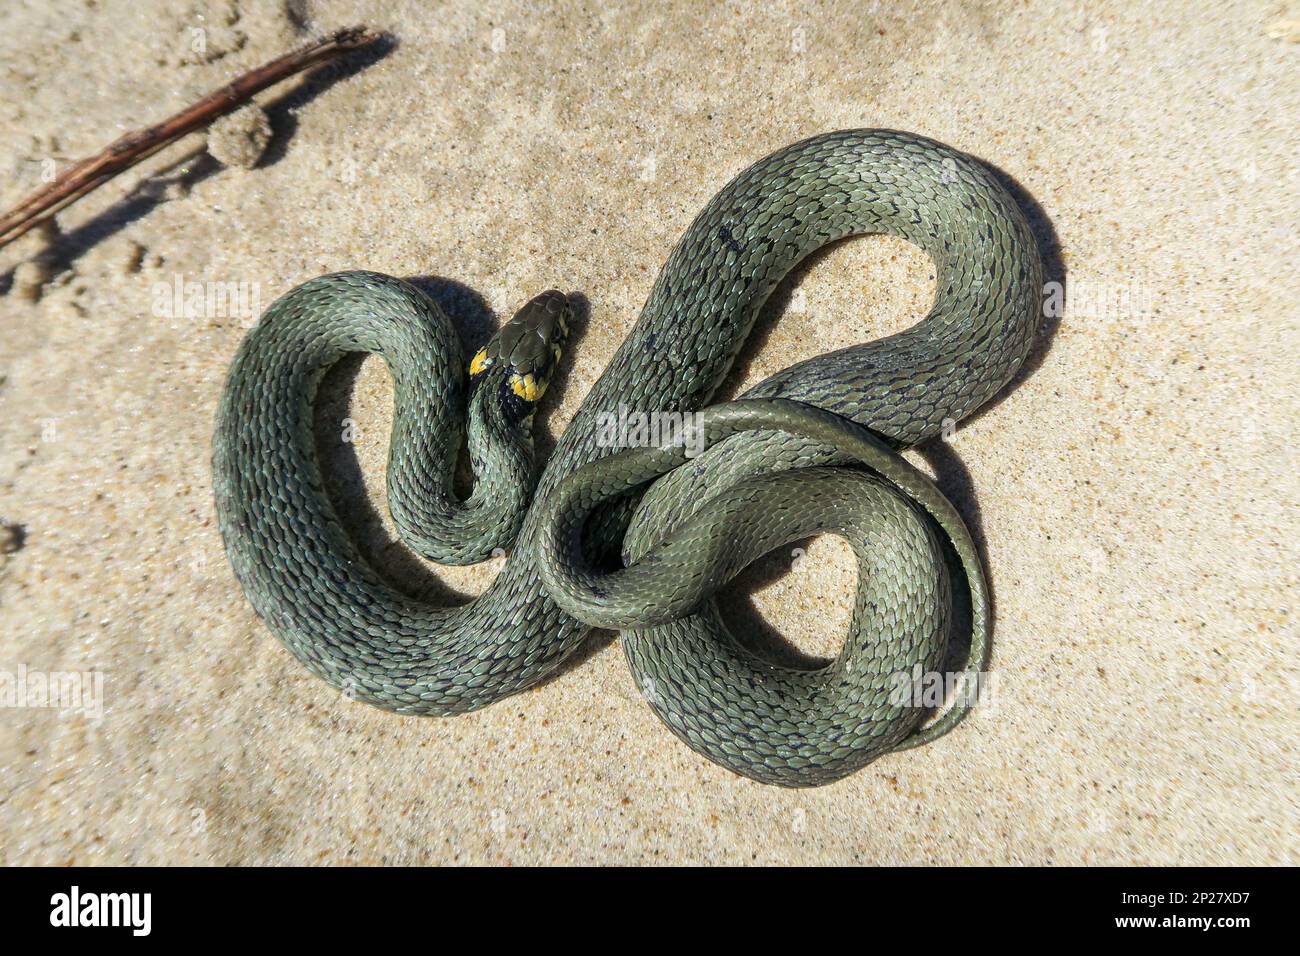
[[638, 535]]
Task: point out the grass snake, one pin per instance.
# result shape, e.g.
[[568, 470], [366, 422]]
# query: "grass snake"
[[639, 539]]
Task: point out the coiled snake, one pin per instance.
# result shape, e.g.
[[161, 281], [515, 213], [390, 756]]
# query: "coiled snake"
[[808, 450]]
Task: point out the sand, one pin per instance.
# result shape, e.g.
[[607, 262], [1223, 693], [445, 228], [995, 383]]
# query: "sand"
[[1134, 491]]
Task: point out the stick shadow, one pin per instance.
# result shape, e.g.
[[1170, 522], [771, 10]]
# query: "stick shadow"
[[182, 175]]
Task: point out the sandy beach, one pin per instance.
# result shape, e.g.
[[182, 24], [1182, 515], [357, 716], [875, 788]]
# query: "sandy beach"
[[1134, 490]]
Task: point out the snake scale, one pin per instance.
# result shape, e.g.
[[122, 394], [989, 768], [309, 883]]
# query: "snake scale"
[[640, 538]]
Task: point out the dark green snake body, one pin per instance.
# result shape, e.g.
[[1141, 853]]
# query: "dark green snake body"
[[810, 449]]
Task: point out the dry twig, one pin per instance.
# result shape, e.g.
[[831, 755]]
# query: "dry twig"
[[139, 145]]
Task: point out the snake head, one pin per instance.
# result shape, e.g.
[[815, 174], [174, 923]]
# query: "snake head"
[[528, 347]]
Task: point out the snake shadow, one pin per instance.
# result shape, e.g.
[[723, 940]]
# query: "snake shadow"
[[343, 476], [737, 600]]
